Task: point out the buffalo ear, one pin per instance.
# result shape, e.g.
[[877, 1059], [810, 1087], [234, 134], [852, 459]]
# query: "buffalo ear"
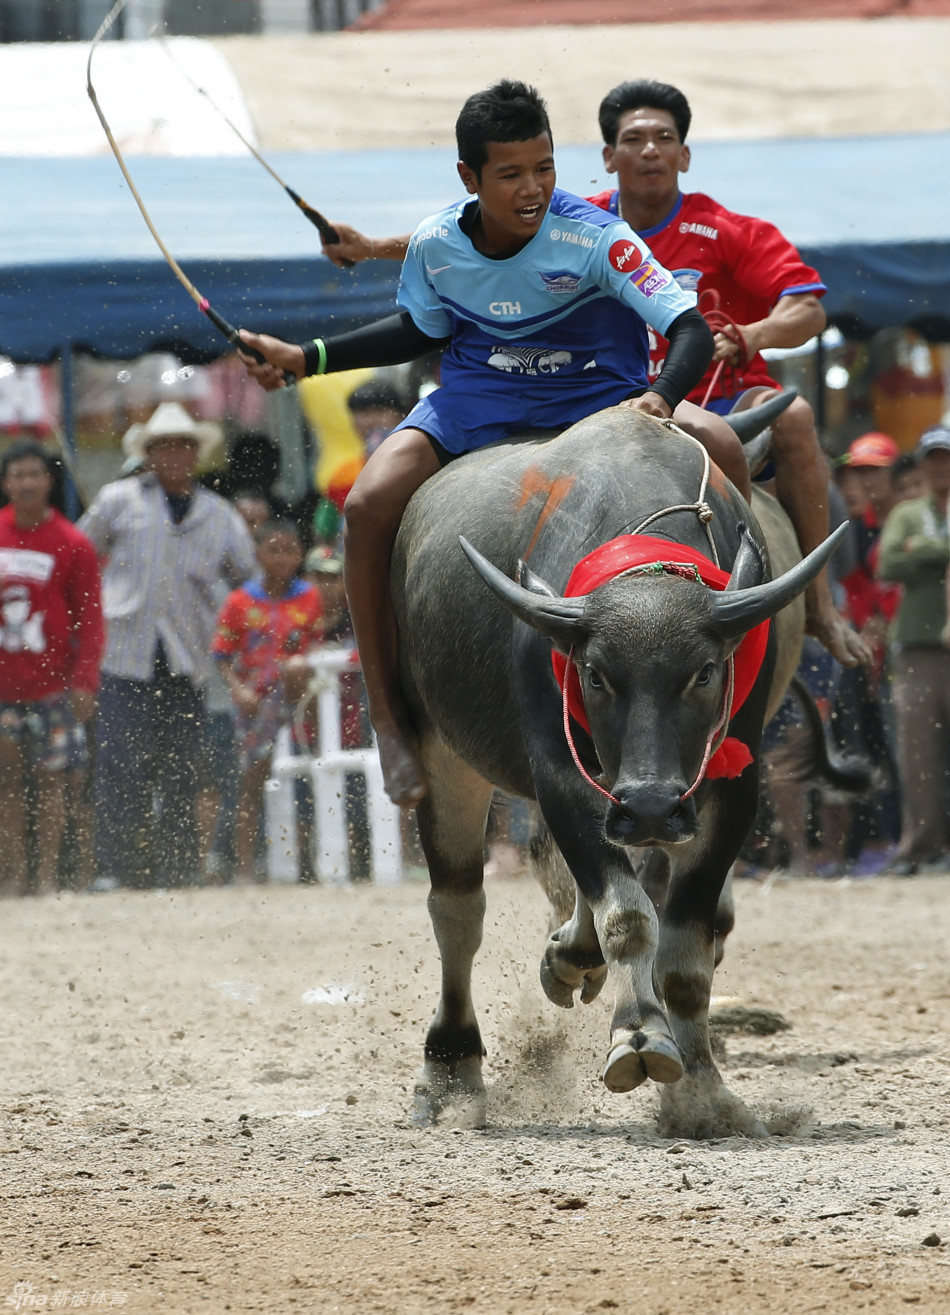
[[533, 583], [561, 619]]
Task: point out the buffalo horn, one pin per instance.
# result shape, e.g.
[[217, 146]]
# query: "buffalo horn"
[[558, 618], [736, 612], [747, 424], [748, 569], [757, 451]]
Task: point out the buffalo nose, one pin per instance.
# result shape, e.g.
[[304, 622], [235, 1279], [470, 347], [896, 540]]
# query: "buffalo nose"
[[652, 813]]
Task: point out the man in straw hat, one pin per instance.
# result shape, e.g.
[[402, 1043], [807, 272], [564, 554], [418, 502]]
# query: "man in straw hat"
[[167, 542]]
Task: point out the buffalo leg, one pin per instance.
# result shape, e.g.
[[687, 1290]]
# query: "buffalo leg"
[[452, 821], [642, 1044], [695, 921], [626, 929], [573, 958]]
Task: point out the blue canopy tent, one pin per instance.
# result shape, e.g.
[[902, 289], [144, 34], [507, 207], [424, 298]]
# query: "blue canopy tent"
[[79, 270]]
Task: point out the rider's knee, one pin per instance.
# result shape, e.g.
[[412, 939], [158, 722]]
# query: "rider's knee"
[[721, 441], [357, 508]]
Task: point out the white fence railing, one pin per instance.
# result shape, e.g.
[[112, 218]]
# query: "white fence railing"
[[327, 770]]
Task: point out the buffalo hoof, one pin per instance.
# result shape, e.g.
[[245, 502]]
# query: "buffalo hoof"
[[629, 1064], [702, 1108], [560, 977], [450, 1095]]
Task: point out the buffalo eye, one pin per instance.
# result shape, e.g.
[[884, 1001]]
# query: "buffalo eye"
[[593, 678], [706, 673]]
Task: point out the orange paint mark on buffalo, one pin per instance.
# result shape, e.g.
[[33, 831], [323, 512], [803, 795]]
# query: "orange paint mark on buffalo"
[[534, 482], [717, 480]]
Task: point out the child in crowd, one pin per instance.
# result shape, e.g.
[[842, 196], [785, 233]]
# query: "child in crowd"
[[323, 568], [264, 632]]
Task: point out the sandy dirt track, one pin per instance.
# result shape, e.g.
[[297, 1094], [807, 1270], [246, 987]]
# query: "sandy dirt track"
[[205, 1099]]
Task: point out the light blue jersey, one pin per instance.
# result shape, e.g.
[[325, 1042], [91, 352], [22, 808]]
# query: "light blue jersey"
[[542, 338]]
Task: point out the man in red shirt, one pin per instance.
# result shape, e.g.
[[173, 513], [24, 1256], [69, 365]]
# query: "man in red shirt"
[[51, 642], [753, 287], [751, 283]]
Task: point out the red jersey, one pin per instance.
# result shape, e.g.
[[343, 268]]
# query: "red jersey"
[[51, 629], [259, 632], [735, 263]]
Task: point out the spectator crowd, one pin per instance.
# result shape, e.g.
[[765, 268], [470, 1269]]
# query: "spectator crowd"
[[892, 712], [151, 655]]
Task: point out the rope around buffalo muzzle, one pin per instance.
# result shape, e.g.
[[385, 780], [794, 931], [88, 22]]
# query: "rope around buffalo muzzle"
[[685, 571], [716, 735]]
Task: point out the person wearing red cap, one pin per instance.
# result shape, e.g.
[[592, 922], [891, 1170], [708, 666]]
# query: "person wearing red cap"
[[864, 697], [871, 602]]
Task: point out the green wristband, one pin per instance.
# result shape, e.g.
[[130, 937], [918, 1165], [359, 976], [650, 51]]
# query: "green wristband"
[[321, 355]]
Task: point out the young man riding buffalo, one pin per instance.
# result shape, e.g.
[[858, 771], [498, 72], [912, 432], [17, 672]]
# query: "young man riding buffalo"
[[744, 270], [542, 303]]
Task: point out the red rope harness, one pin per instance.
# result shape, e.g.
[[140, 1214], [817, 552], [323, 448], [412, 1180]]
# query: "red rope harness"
[[568, 735], [721, 322], [634, 555]]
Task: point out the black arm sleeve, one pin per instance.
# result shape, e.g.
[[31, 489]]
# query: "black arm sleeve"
[[687, 358], [386, 342]]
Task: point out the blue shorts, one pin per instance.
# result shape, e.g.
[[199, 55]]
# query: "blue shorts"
[[723, 405], [460, 419], [46, 732]]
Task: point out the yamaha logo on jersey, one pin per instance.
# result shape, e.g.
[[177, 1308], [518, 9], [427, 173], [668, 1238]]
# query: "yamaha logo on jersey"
[[648, 279], [568, 235], [561, 283], [701, 230], [688, 279]]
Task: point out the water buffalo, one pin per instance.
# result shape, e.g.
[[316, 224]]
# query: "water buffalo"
[[652, 652]]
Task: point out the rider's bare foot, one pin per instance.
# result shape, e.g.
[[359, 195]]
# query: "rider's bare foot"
[[831, 629], [403, 777]]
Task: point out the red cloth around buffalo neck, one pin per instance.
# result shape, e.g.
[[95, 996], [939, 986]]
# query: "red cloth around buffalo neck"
[[629, 550]]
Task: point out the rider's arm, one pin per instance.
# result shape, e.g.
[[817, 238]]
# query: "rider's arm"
[[355, 246], [687, 358], [793, 319], [386, 342]]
